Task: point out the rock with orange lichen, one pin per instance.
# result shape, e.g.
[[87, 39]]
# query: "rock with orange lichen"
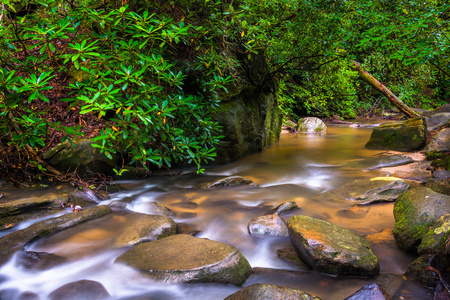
[[332, 249]]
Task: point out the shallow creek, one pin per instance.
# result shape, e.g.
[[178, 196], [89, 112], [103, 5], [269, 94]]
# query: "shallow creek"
[[294, 169]]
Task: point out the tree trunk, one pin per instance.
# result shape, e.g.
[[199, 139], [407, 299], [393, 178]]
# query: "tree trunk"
[[385, 91]]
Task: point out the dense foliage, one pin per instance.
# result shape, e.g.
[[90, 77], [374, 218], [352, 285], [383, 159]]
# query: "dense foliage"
[[147, 76]]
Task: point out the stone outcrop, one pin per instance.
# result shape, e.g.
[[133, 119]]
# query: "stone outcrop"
[[260, 291], [407, 136], [331, 249], [145, 228], [366, 191], [311, 125], [415, 211], [271, 225], [182, 258]]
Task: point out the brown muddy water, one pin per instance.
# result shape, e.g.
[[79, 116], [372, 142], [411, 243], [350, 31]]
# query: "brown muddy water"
[[294, 169]]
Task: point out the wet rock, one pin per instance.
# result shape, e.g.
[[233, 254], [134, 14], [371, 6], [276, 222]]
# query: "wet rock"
[[434, 240], [16, 240], [145, 228], [417, 171], [440, 142], [311, 125], [82, 289], [259, 291], [186, 229], [231, 181], [437, 121], [82, 157], [157, 208], [29, 296], [407, 136], [366, 191], [39, 260], [331, 249], [379, 162], [268, 225], [414, 212], [84, 198], [391, 283], [425, 269], [13, 207], [355, 212], [182, 258], [371, 291], [291, 256], [284, 207]]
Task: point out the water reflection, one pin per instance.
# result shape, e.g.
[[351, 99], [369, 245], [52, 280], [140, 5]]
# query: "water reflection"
[[295, 169]]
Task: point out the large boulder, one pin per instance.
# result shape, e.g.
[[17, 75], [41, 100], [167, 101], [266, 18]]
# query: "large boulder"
[[248, 112], [145, 228], [16, 240], [311, 125], [268, 291], [268, 225], [407, 136], [440, 142], [415, 211], [331, 249], [366, 191], [82, 157], [183, 258]]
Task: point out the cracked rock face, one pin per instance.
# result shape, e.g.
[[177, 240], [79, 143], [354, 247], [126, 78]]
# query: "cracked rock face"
[[182, 258]]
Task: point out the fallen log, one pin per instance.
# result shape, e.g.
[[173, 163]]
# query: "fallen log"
[[405, 109]]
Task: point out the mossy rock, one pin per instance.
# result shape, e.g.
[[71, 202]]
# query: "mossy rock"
[[311, 125], [332, 249], [415, 211], [434, 240], [409, 135]]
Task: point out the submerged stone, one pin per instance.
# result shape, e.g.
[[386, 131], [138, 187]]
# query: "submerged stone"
[[407, 136], [145, 228], [379, 162], [39, 260], [182, 258], [366, 191], [268, 225], [284, 207], [82, 289], [415, 211], [230, 181], [291, 256], [18, 239], [260, 291], [332, 249], [370, 291]]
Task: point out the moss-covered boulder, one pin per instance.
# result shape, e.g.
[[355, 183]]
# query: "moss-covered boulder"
[[271, 225], [415, 211], [373, 163], [230, 181], [409, 135], [434, 240], [331, 249], [81, 156], [268, 291], [145, 228], [183, 258], [440, 142], [311, 125], [16, 240], [366, 191]]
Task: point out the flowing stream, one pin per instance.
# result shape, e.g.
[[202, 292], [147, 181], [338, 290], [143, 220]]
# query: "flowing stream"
[[294, 169]]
